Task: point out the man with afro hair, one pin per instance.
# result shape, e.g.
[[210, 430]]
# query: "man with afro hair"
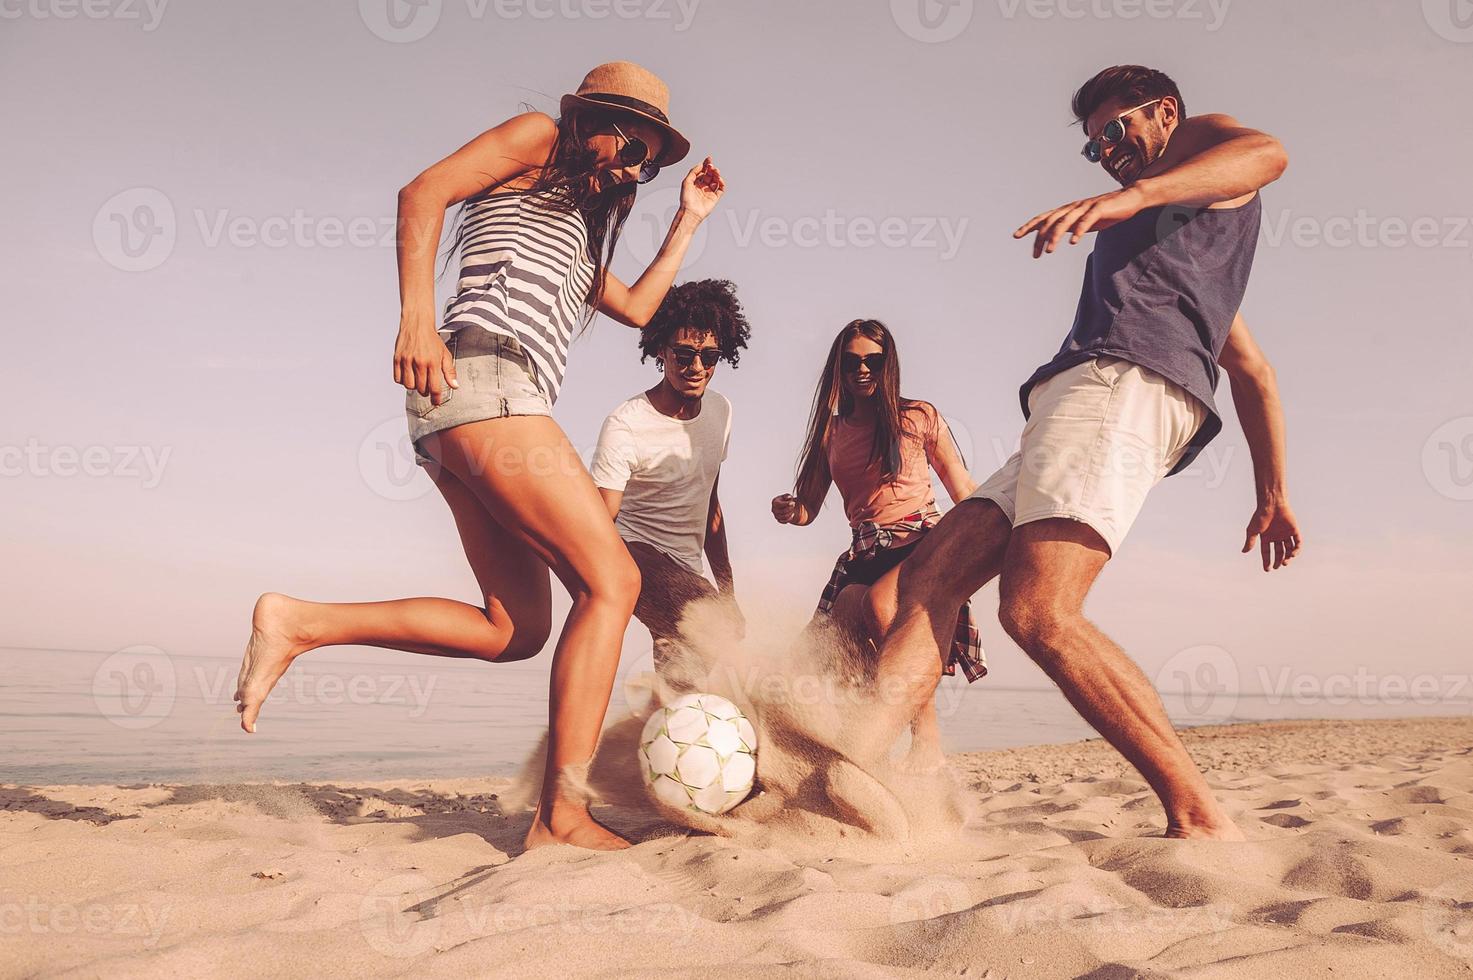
[[659, 457]]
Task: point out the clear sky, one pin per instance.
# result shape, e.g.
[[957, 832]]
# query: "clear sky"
[[202, 408]]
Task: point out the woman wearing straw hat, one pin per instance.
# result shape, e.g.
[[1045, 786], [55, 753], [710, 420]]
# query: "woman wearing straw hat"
[[543, 204]]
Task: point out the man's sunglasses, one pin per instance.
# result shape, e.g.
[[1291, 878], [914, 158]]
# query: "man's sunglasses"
[[1113, 133], [635, 153], [686, 356], [852, 362]]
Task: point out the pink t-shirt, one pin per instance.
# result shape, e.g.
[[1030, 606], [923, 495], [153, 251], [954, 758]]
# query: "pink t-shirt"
[[867, 497]]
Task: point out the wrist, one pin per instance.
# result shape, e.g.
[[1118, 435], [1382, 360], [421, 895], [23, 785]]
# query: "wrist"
[[1146, 193], [1272, 493], [686, 219]]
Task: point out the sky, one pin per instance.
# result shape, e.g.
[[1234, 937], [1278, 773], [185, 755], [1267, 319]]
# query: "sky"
[[201, 298]]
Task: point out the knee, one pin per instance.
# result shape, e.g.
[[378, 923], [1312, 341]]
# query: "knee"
[[1037, 624], [619, 582]]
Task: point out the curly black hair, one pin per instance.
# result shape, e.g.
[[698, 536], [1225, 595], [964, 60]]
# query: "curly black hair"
[[707, 305]]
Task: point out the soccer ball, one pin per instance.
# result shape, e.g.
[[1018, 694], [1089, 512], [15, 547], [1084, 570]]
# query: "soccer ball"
[[699, 752]]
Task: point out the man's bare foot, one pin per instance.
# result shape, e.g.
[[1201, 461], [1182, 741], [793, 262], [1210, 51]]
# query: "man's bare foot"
[[275, 642], [572, 824], [1220, 828]]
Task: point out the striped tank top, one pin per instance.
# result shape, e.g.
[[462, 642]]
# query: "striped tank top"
[[524, 274]]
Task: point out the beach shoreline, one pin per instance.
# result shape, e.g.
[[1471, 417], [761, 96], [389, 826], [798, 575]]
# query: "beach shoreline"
[[1360, 858]]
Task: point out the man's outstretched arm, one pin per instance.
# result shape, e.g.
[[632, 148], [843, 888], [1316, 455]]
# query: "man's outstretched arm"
[[1210, 160], [1256, 398]]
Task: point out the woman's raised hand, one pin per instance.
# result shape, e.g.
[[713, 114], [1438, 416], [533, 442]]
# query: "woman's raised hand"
[[701, 189], [422, 362], [785, 508]]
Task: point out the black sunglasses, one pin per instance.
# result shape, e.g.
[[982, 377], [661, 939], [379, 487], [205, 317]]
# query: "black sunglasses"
[[636, 152], [1113, 133], [852, 362], [686, 356]]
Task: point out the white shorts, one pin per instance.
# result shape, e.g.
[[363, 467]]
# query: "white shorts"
[[1099, 436]]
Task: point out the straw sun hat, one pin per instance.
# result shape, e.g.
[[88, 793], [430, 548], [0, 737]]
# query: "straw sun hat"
[[626, 86]]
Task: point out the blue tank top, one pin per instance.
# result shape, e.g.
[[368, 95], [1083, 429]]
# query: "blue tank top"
[[1161, 290]]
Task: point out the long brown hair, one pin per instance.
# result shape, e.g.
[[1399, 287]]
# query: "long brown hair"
[[832, 400], [563, 183]]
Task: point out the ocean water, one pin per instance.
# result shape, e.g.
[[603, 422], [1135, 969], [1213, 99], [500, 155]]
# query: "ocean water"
[[142, 715]]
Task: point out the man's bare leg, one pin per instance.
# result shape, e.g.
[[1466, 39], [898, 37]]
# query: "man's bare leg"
[[959, 556], [1049, 569]]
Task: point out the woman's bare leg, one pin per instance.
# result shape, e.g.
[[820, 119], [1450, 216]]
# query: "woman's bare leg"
[[513, 625], [530, 478], [524, 503]]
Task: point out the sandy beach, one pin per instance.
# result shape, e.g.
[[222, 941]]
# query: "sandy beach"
[[1360, 863]]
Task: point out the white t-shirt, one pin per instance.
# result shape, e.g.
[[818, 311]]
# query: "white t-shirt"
[[665, 468]]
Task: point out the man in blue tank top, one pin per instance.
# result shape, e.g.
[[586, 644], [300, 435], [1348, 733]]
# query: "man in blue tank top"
[[1126, 401]]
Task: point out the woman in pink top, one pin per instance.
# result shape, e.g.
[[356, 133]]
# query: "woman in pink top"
[[879, 449]]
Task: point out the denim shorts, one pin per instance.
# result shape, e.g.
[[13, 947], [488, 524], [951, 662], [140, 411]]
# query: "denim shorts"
[[496, 380]]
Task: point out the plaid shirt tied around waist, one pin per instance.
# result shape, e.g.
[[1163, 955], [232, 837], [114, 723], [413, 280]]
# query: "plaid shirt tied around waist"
[[870, 540]]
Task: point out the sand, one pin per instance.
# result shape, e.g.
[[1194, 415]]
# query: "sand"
[[1360, 865]]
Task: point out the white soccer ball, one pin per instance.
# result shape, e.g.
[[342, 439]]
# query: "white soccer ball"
[[699, 752]]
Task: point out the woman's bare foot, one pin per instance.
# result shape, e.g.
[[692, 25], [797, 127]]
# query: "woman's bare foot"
[[275, 642], [572, 824]]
